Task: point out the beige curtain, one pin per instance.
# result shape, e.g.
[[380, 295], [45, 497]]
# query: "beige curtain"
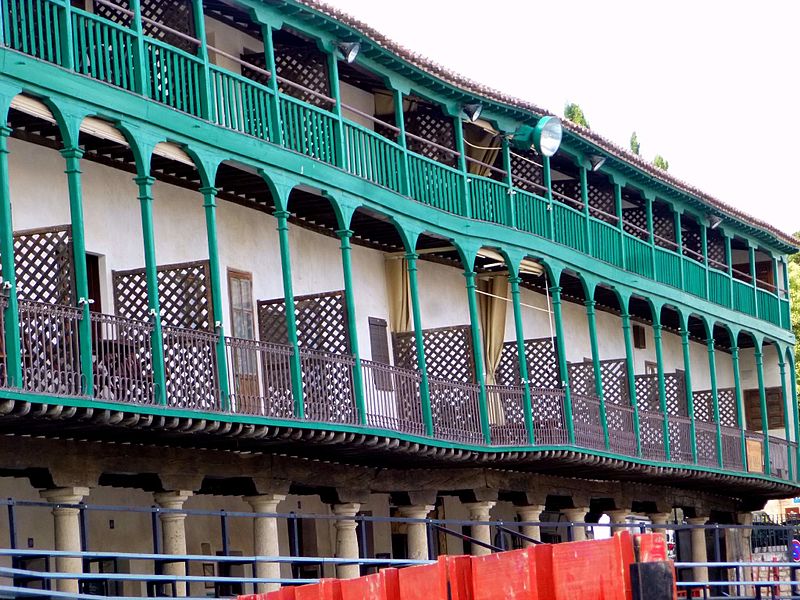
[[399, 289], [492, 314], [475, 136]]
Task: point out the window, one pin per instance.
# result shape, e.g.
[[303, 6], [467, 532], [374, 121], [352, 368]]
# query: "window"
[[752, 409], [650, 368], [240, 290], [379, 342], [93, 276], [639, 339]]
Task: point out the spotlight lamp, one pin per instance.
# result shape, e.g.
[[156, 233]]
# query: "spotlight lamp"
[[596, 161], [714, 221], [348, 51], [547, 136], [473, 111]]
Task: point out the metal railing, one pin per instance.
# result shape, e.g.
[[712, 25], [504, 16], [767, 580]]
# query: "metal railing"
[[392, 398], [260, 378], [456, 412], [328, 387], [190, 368], [507, 415]]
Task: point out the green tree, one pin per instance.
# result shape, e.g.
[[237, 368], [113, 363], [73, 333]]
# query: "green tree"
[[574, 113], [635, 145], [661, 162]]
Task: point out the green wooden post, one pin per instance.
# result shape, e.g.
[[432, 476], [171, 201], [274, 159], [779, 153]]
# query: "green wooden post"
[[72, 156], [140, 70], [477, 351], [712, 369], [291, 319], [527, 404], [584, 175], [210, 207], [631, 375], [512, 206], [662, 386], [704, 243], [352, 328], [419, 343], [400, 123], [548, 184], [751, 253], [206, 108], [620, 222], [729, 265], [777, 290], [563, 369], [275, 129], [67, 56], [687, 374], [11, 314], [786, 422], [338, 124], [651, 233], [598, 379], [145, 183], [679, 241], [762, 396], [462, 167], [737, 387]]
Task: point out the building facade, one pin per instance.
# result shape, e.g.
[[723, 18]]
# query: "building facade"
[[474, 328]]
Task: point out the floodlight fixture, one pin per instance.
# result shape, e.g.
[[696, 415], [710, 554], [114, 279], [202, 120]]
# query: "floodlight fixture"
[[547, 135], [473, 111], [348, 51]]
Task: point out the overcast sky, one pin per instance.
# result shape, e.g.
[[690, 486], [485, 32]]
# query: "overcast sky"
[[712, 86]]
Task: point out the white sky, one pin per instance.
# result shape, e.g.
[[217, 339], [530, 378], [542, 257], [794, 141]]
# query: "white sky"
[[692, 78]]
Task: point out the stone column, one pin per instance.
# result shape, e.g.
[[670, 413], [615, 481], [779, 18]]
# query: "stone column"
[[577, 515], [530, 513], [346, 539], [618, 517], [659, 519], [265, 538], [479, 511], [173, 533], [743, 550], [67, 526], [699, 553], [417, 532]]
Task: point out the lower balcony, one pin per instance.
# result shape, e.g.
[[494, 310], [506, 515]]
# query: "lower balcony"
[[260, 390]]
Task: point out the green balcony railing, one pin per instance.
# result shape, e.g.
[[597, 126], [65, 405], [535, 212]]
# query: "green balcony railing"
[[110, 52]]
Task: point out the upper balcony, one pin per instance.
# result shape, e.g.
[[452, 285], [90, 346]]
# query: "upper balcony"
[[218, 63]]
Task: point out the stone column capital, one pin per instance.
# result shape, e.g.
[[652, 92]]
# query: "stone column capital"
[[619, 515], [173, 500], [530, 512], [697, 520], [65, 495], [415, 512], [576, 515], [479, 511], [659, 518], [265, 503]]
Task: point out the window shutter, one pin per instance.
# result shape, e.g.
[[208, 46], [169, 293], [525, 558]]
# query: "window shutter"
[[639, 339], [379, 340]]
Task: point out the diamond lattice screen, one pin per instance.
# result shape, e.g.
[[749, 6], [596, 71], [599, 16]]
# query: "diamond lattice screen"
[[448, 353], [184, 294], [321, 322], [602, 204], [703, 406], [303, 63], [429, 123], [542, 363], [634, 215], [571, 188], [614, 375], [675, 385], [526, 170], [43, 265], [647, 393], [728, 411], [174, 14], [581, 378], [690, 237], [716, 248], [664, 226]]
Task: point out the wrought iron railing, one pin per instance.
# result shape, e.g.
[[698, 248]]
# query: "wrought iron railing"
[[549, 417], [778, 457], [621, 430], [328, 387], [392, 398], [4, 382], [732, 448], [651, 434], [706, 441], [260, 378], [507, 415], [122, 365], [587, 421], [190, 369], [456, 411], [50, 354]]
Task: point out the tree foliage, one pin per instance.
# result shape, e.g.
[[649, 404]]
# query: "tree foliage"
[[635, 145], [574, 113], [661, 162]]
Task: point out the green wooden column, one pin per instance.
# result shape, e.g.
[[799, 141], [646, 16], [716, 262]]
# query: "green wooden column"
[[338, 124], [631, 373], [762, 396], [712, 369], [73, 156], [477, 352], [210, 207], [140, 70], [737, 387], [509, 181], [458, 128], [67, 49], [11, 314], [598, 379], [275, 130], [145, 183], [352, 329], [206, 108], [563, 369], [527, 404], [400, 123], [704, 244], [679, 241], [786, 421], [729, 265], [620, 222], [662, 386], [419, 343], [687, 370], [584, 176], [651, 234], [548, 184], [795, 413], [291, 320], [751, 252]]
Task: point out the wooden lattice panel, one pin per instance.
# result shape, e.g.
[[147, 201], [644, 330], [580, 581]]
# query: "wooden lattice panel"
[[614, 376], [664, 227], [541, 360], [256, 59], [571, 188], [703, 406], [602, 204], [647, 393], [716, 248], [690, 237], [184, 293], [448, 353], [321, 322], [429, 123], [303, 63], [728, 410], [634, 218], [526, 170], [675, 386], [581, 378], [175, 14], [44, 265]]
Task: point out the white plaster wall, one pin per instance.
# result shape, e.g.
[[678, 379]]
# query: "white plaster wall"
[[360, 100], [231, 40], [442, 295]]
